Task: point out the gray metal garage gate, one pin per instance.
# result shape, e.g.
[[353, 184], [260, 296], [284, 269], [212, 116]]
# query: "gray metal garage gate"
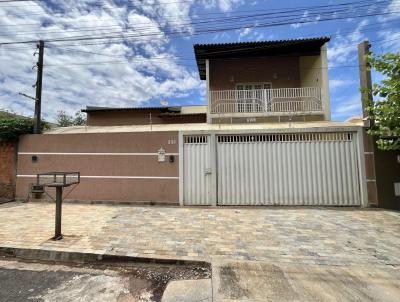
[[273, 169]]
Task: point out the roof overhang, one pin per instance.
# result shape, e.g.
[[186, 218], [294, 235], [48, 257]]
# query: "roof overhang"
[[296, 47], [173, 109], [164, 110]]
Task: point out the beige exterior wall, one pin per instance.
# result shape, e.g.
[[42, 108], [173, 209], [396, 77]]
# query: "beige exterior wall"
[[310, 71], [113, 166], [267, 119], [325, 83]]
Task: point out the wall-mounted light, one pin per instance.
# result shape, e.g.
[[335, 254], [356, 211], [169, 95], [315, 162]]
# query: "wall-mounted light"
[[34, 158], [275, 76]]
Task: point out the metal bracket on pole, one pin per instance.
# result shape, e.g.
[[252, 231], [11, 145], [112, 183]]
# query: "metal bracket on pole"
[[27, 96]]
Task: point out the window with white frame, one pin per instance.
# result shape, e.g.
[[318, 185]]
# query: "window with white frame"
[[250, 97], [253, 86]]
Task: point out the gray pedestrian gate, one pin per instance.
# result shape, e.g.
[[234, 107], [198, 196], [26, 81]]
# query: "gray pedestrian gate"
[[196, 170]]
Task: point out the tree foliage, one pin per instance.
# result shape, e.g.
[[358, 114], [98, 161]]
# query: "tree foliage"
[[12, 126], [66, 120], [384, 112]]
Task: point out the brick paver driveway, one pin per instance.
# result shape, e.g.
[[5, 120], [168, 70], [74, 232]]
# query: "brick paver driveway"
[[336, 236]]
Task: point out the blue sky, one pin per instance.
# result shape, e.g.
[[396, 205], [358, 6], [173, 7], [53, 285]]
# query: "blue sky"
[[155, 60]]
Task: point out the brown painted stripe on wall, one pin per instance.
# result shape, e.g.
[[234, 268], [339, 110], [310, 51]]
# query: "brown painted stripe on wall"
[[160, 190], [109, 165], [139, 142]]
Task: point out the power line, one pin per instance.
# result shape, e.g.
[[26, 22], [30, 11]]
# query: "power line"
[[308, 8], [122, 35], [223, 59], [231, 18], [268, 13], [370, 27], [135, 27], [155, 4]]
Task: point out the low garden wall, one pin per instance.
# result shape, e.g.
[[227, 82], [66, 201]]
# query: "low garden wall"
[[8, 158]]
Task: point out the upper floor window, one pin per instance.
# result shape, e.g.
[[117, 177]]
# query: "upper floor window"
[[253, 86]]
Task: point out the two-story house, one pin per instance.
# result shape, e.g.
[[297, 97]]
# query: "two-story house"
[[271, 81], [264, 138]]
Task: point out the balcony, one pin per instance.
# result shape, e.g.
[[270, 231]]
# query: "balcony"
[[266, 102]]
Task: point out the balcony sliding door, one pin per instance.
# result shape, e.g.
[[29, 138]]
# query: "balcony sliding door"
[[252, 97]]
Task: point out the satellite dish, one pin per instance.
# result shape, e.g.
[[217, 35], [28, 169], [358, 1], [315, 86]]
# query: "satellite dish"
[[164, 103]]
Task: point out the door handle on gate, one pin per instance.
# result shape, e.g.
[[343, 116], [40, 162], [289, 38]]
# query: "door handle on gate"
[[207, 171]]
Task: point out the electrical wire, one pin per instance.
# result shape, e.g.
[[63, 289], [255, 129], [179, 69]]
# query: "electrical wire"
[[209, 29]]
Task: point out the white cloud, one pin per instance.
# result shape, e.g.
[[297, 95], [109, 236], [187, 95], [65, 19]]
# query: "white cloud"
[[223, 5], [344, 48], [346, 107], [306, 20], [244, 32], [339, 83], [393, 10], [174, 14], [390, 40], [143, 67]]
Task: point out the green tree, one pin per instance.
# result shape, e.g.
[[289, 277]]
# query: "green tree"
[[66, 120], [12, 126], [79, 119], [63, 119], [384, 112]]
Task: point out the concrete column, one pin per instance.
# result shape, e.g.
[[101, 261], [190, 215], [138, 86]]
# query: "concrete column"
[[325, 83], [369, 150], [208, 91]]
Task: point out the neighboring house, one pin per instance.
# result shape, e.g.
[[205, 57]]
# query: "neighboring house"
[[100, 116], [382, 169], [264, 138]]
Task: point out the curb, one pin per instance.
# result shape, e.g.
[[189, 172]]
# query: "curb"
[[5, 200], [77, 257], [104, 202]]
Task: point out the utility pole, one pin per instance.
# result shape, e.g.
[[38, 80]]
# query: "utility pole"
[[365, 79], [369, 144], [38, 100]]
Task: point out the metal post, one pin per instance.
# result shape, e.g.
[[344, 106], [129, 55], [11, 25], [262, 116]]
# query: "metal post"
[[38, 100], [59, 191]]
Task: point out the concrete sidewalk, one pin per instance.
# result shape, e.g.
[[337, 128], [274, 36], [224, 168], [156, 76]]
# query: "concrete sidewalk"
[[257, 254], [244, 281], [299, 235]]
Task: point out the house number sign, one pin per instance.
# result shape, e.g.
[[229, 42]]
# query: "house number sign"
[[161, 155]]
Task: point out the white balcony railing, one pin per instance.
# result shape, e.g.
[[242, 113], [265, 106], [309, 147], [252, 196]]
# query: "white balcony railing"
[[281, 100]]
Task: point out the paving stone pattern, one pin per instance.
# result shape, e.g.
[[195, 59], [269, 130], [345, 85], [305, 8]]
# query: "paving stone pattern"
[[331, 236]]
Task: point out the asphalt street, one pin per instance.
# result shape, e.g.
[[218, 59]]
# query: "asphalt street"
[[27, 281]]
